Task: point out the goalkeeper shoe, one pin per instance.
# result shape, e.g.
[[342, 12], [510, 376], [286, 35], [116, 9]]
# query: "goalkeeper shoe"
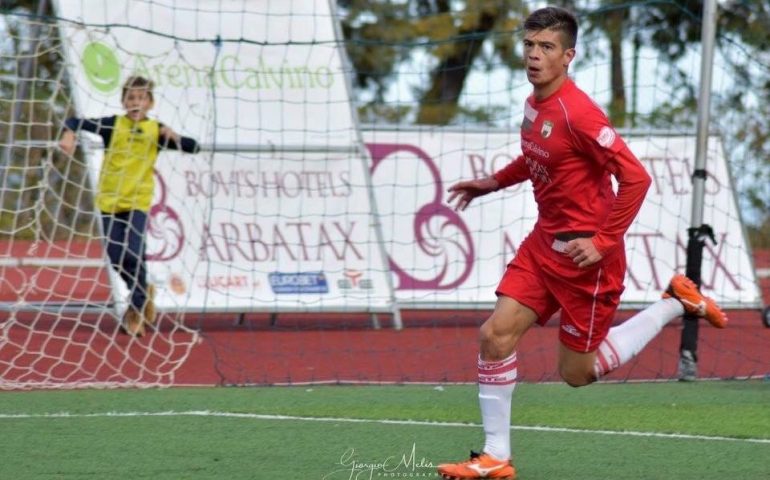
[[133, 322], [149, 305], [694, 302], [480, 465]]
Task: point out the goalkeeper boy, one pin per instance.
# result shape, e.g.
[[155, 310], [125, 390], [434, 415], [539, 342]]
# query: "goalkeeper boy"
[[126, 185]]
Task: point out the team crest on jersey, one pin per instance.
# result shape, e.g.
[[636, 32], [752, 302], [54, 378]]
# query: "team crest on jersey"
[[606, 137], [547, 129]]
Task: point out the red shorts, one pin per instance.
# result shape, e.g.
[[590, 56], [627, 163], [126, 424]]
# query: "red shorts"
[[546, 280]]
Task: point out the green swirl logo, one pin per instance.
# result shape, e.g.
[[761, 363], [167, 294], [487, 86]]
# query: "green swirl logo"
[[101, 67]]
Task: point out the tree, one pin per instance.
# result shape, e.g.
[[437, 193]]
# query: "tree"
[[382, 36], [741, 107], [39, 187], [467, 31], [612, 20]]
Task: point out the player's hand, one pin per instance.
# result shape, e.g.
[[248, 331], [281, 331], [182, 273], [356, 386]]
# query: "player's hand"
[[583, 252], [463, 192], [68, 142], [170, 134]]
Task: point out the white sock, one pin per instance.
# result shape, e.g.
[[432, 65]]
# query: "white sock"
[[626, 340], [496, 383]]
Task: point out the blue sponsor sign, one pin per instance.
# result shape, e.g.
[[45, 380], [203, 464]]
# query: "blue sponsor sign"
[[299, 282]]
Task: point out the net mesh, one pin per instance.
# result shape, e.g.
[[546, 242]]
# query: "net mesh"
[[283, 249]]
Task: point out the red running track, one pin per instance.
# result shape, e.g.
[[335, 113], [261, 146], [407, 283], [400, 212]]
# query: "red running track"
[[445, 354], [434, 346], [296, 351]]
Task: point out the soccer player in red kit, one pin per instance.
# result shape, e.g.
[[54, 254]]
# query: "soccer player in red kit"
[[574, 259]]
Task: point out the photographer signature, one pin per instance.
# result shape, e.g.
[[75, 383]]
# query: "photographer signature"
[[393, 466]]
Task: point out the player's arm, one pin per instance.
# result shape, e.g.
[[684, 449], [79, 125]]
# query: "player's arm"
[[100, 126], [596, 138], [169, 139], [462, 193], [513, 173], [633, 183]]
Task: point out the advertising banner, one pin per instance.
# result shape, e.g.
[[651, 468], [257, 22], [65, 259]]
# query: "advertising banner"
[[439, 256], [236, 72], [245, 227], [277, 214], [249, 232]]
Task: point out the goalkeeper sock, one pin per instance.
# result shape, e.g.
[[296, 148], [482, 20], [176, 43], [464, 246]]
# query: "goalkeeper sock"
[[497, 381], [626, 340]]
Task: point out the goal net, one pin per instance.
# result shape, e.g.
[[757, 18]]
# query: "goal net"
[[280, 249], [275, 214]]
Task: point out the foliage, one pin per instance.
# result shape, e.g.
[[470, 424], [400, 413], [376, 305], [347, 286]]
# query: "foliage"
[[40, 184], [384, 36], [386, 41], [412, 60]]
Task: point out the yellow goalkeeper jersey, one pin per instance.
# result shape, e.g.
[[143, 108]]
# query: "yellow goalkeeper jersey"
[[126, 179]]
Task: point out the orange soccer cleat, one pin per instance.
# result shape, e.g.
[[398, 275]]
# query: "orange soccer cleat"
[[480, 465], [694, 302], [133, 323], [149, 312]]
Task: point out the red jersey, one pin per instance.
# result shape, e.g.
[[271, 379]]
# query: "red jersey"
[[569, 152]]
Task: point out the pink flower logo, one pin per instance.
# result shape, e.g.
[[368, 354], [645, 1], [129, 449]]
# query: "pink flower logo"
[[435, 227], [164, 227]]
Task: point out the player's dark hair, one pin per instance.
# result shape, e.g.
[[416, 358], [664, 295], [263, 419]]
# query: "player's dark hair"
[[556, 19], [137, 81]]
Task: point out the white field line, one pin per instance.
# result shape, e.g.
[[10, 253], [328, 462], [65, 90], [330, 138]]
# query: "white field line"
[[255, 416]]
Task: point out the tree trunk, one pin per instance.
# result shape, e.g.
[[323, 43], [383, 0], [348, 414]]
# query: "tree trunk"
[[617, 110], [438, 105]]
